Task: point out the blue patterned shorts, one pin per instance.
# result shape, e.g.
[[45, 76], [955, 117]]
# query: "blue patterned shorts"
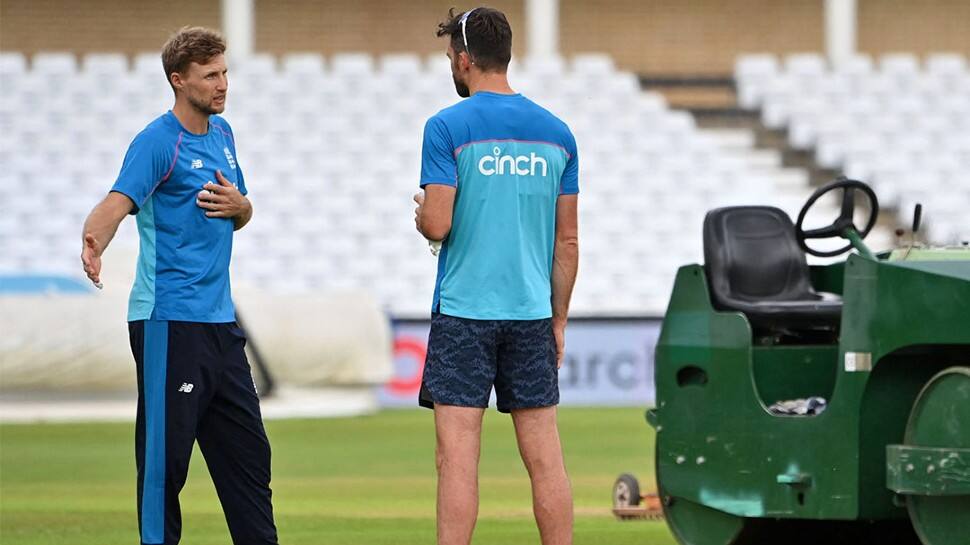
[[466, 358]]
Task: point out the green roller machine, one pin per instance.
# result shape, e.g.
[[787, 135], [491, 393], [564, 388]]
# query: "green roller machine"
[[814, 404]]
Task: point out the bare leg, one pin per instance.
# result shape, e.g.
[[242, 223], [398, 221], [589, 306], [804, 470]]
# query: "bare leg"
[[459, 433], [552, 497]]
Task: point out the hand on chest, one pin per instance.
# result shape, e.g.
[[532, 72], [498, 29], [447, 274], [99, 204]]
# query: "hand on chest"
[[198, 162]]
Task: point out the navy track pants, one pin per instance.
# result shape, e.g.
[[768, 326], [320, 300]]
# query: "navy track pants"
[[194, 383]]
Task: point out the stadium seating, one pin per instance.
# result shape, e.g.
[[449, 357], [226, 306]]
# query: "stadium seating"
[[898, 124], [331, 152]]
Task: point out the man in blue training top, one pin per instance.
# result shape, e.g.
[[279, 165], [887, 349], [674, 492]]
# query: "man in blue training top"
[[181, 180], [500, 179]]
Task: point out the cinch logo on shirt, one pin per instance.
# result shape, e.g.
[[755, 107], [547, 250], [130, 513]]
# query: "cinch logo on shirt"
[[523, 165]]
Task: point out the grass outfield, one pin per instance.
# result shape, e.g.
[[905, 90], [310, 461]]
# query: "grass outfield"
[[362, 481]]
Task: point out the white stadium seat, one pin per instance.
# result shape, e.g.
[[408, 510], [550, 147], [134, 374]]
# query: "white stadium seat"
[[899, 64], [12, 64], [262, 65], [438, 64], [303, 63], [752, 72], [946, 64], [407, 65], [545, 66], [54, 63], [593, 64], [148, 63], [105, 64], [855, 65], [352, 64], [805, 65]]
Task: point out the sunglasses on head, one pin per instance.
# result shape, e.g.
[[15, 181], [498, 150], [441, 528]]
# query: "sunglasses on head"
[[464, 34]]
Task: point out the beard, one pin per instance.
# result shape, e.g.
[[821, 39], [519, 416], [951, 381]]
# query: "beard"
[[461, 88], [205, 107]]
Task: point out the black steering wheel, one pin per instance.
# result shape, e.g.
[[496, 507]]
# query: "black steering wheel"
[[844, 221]]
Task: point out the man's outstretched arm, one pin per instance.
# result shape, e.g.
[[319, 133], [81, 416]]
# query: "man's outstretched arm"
[[565, 263], [99, 228]]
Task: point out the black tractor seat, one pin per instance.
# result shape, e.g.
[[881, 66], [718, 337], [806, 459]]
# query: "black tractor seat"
[[754, 265]]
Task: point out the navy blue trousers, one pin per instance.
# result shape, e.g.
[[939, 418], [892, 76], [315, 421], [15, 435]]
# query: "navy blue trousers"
[[195, 384]]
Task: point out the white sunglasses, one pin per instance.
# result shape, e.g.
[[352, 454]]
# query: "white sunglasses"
[[464, 35]]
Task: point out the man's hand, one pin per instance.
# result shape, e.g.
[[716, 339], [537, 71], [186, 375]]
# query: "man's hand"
[[91, 252], [565, 262], [99, 228], [418, 198], [559, 331], [222, 200]]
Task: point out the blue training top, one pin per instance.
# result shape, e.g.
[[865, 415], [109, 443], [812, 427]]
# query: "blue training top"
[[183, 262], [510, 159]]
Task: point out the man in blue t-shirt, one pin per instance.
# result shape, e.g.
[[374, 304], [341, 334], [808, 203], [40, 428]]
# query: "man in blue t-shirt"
[[500, 180], [181, 180]]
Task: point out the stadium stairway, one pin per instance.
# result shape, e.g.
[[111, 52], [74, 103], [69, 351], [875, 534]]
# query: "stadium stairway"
[[898, 122], [714, 104], [740, 132]]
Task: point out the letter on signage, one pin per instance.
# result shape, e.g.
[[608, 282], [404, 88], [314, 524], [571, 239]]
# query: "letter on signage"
[[627, 380], [594, 362]]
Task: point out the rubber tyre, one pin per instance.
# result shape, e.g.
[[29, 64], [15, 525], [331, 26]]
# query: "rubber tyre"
[[941, 418], [626, 491]]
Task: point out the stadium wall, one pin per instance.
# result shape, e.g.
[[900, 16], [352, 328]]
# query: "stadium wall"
[[646, 36], [374, 26], [696, 37], [889, 26], [98, 26]]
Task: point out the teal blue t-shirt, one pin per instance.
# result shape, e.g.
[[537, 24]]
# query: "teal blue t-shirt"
[[183, 261], [510, 160]]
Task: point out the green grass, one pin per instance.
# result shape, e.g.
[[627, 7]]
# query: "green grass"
[[362, 481]]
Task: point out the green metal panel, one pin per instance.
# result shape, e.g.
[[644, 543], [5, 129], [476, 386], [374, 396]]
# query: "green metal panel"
[[717, 443], [890, 305], [928, 471]]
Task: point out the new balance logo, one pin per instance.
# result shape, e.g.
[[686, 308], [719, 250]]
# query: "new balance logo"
[[186, 387], [523, 165], [197, 163]]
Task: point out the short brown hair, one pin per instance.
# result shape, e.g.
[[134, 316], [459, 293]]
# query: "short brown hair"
[[188, 45], [489, 37]]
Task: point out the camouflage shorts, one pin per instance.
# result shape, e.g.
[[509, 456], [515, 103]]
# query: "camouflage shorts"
[[466, 358]]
